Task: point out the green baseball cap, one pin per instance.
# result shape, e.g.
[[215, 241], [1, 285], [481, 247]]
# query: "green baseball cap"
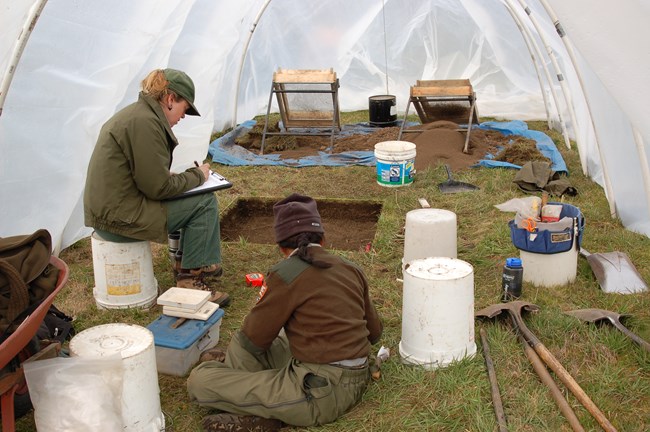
[[182, 85]]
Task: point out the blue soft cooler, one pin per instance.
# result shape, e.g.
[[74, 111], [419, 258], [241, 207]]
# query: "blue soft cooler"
[[548, 241], [178, 349]]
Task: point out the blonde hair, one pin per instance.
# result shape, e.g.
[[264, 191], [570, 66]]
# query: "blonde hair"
[[155, 85]]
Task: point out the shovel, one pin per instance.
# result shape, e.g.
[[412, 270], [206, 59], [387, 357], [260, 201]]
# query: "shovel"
[[494, 386], [546, 378], [615, 272], [514, 310], [452, 186], [599, 315]]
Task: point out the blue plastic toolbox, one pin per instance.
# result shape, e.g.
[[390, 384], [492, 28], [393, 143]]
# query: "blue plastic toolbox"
[[178, 349]]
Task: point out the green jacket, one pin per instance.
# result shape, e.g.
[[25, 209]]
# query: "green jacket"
[[128, 174]]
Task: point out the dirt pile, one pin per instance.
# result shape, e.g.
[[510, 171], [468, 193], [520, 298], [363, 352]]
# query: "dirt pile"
[[437, 142]]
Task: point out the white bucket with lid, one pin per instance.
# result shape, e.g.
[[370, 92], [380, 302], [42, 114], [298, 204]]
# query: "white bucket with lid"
[[395, 163], [141, 410], [429, 232], [437, 312], [123, 274]]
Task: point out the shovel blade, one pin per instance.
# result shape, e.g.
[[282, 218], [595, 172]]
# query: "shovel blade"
[[616, 273], [515, 307], [453, 186], [595, 315]]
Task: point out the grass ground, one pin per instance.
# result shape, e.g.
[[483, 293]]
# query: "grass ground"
[[611, 369]]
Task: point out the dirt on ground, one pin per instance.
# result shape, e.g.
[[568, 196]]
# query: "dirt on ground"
[[350, 225], [437, 142]]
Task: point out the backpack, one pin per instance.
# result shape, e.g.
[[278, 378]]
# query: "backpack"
[[26, 276]]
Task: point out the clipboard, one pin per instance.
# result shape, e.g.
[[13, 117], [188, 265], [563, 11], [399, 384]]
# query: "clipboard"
[[214, 182]]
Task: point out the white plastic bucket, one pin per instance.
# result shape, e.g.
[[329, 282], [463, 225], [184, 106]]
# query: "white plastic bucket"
[[547, 270], [429, 232], [395, 163], [141, 410], [437, 312], [123, 274]]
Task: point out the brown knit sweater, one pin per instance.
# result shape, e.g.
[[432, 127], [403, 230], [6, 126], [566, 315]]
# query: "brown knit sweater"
[[327, 313]]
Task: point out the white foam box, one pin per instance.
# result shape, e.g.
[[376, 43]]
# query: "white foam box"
[[178, 349], [186, 298]]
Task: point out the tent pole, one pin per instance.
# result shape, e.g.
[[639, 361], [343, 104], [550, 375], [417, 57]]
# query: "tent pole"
[[569, 47], [558, 74], [383, 16], [524, 35], [233, 122], [643, 161], [547, 74], [19, 47]]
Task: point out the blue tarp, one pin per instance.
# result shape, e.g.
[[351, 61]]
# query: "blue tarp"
[[544, 144], [224, 150]]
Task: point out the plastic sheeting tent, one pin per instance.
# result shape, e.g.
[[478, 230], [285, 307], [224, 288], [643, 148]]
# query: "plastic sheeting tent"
[[84, 60]]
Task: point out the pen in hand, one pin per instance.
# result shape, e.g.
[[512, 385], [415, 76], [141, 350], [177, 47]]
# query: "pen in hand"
[[206, 172]]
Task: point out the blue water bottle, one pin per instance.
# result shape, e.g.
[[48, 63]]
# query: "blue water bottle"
[[511, 280]]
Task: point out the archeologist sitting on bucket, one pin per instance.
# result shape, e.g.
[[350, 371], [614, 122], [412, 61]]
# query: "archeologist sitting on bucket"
[[129, 181], [301, 356]]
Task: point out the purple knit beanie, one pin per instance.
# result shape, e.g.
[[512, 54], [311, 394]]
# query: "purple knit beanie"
[[296, 214]]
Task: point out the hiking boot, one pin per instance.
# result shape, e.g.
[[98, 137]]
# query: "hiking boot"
[[176, 268], [214, 270], [233, 422], [213, 354], [220, 298], [186, 280]]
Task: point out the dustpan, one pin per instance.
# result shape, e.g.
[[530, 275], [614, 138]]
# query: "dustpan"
[[453, 186], [615, 272]]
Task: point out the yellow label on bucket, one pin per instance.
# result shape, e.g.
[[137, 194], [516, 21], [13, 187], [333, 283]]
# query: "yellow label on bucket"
[[123, 279], [123, 290]]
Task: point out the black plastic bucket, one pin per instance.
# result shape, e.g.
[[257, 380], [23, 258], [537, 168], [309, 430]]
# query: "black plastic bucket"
[[382, 110]]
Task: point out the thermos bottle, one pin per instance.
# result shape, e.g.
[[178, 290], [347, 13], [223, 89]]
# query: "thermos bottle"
[[175, 252], [511, 280]]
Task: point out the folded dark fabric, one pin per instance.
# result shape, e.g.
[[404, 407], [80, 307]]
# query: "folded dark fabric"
[[26, 275], [537, 176]]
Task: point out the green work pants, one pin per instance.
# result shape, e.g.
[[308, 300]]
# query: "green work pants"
[[277, 386], [197, 217]]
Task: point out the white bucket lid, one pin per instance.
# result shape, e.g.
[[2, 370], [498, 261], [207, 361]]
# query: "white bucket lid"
[[104, 340], [430, 215], [439, 268], [395, 151], [395, 146]]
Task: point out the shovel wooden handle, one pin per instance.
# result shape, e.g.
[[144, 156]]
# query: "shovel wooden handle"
[[562, 373], [573, 386], [627, 332], [547, 380], [494, 386]]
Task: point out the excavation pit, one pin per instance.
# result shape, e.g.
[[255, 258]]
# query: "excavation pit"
[[349, 224]]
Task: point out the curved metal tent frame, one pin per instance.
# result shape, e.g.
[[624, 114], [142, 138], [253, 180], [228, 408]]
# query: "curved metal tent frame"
[[609, 192], [536, 56], [19, 47], [533, 56]]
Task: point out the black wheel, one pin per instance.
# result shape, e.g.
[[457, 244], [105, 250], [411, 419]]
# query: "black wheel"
[[22, 402]]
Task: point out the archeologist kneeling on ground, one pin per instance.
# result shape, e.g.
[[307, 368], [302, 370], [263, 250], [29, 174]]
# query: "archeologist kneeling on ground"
[[301, 356], [129, 181]]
